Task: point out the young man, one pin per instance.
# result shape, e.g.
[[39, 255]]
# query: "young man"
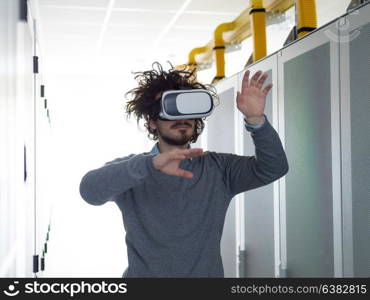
[[174, 199]]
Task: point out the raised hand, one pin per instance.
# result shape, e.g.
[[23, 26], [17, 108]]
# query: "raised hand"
[[252, 98]]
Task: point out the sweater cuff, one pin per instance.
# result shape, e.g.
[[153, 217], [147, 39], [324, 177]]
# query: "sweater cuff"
[[251, 127]]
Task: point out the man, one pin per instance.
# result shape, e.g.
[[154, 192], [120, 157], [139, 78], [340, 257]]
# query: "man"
[[174, 198]]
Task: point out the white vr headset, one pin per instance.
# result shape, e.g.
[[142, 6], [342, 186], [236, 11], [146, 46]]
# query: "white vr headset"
[[186, 104]]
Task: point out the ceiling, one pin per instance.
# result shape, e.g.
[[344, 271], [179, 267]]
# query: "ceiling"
[[125, 33], [114, 36]]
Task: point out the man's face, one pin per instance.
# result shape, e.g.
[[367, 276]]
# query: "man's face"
[[175, 132]]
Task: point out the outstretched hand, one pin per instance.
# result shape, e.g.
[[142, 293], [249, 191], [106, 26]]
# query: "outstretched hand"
[[252, 98], [168, 162]]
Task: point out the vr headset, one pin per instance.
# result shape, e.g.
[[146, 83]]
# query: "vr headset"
[[186, 104]]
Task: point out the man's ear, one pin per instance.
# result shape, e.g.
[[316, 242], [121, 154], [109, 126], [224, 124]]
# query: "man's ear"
[[152, 124]]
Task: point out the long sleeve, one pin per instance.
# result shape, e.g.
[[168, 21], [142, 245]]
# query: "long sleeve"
[[101, 185], [243, 173], [250, 126]]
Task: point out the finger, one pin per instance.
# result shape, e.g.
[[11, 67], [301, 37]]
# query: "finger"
[[245, 81], [194, 154], [267, 89], [254, 79], [179, 156], [195, 151], [262, 80], [184, 173]]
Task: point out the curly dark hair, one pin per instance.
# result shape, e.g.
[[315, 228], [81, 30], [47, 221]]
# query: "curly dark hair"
[[143, 103]]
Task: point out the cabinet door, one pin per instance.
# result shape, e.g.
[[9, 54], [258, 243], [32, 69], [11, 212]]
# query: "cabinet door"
[[355, 137], [221, 138], [308, 89]]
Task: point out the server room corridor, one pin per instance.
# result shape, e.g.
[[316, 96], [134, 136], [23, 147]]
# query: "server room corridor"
[[66, 66]]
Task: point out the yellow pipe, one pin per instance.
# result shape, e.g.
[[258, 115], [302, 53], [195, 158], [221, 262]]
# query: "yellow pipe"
[[192, 63], [306, 16], [194, 52], [219, 48], [243, 29], [258, 26]]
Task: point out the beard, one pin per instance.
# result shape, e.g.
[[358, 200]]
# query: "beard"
[[182, 138]]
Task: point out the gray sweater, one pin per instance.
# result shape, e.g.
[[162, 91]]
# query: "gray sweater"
[[174, 224]]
